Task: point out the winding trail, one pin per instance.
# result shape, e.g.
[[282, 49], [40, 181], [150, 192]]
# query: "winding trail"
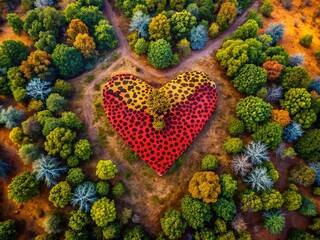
[[126, 54]]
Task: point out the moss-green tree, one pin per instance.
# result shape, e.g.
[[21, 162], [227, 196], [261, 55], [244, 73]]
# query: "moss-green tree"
[[83, 149], [267, 8], [172, 224], [106, 169], [8, 230], [160, 54], [60, 195], [15, 22], [292, 198], [103, 212], [269, 133], [181, 24], [308, 146]]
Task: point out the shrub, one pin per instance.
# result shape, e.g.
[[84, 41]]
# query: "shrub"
[[23, 187], [105, 36], [250, 79], [296, 60], [257, 152], [252, 110], [158, 104], [253, 14], [306, 40], [296, 99], [308, 146], [233, 145], [308, 207], [172, 224], [226, 15], [17, 137], [83, 149], [35, 105], [181, 24], [213, 30], [220, 226], [75, 176], [48, 169], [53, 223], [198, 37], [119, 189], [292, 132], [160, 54], [306, 118], [204, 234], [276, 31], [159, 28], [78, 220], [84, 195], [236, 127], [281, 117], [195, 212], [8, 230], [103, 188], [258, 179], [60, 195], [269, 133], [209, 163], [272, 171], [135, 233], [183, 46], [267, 8], [225, 209], [248, 30], [228, 186], [56, 103], [106, 169], [250, 201], [296, 77], [273, 69], [28, 153], [205, 186], [303, 175], [271, 199], [70, 120], [103, 212], [292, 198], [62, 87], [15, 23], [141, 46], [240, 164], [274, 221]]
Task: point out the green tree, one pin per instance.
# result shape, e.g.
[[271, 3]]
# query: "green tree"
[[8, 230], [75, 176], [135, 233], [184, 49], [250, 201], [204, 234], [53, 223], [103, 212], [306, 40], [233, 145], [60, 142], [106, 170], [296, 77], [141, 46], [15, 22], [213, 30], [160, 54], [50, 124], [296, 99], [83, 149], [225, 208], [29, 153], [308, 207], [236, 127], [269, 133], [250, 79], [56, 103], [274, 221], [248, 30], [172, 224], [12, 53], [23, 187], [308, 146], [226, 15], [267, 8], [228, 186], [209, 163], [292, 198], [303, 175], [271, 199], [118, 189], [62, 87], [67, 60], [159, 28], [70, 120], [181, 24], [60, 195], [46, 42], [195, 212], [103, 188], [78, 220], [177, 5]]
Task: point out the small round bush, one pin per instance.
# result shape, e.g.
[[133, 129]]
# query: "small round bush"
[[119, 189], [306, 40], [141, 46], [250, 79], [158, 124], [236, 127], [213, 30], [267, 8], [78, 220], [103, 188], [75, 176], [274, 221], [308, 207], [233, 145], [292, 198], [106, 169], [296, 77], [308, 146], [269, 133], [8, 230], [29, 153], [160, 54], [296, 99], [72, 161], [209, 163]]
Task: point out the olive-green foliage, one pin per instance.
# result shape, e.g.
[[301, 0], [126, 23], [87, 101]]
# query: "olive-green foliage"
[[292, 198], [43, 115], [271, 199], [23, 187], [106, 169], [296, 77], [112, 231], [15, 22], [35, 105], [53, 223], [70, 120], [253, 14], [226, 14], [236, 52], [308, 207], [183, 47], [28, 153], [272, 171], [248, 30], [317, 54], [56, 103], [177, 5], [175, 59], [220, 226], [104, 36], [296, 99], [181, 24], [209, 163], [250, 201], [125, 216], [7, 230], [213, 30], [245, 235], [103, 211], [172, 224], [316, 191], [236, 127], [315, 225], [205, 233], [159, 28], [17, 137], [103, 188], [160, 54], [62, 87], [135, 234], [83, 149], [75, 176], [306, 118], [12, 53], [50, 124], [250, 79], [141, 46], [72, 161], [274, 221], [266, 8], [228, 186], [60, 195], [262, 93], [308, 146], [158, 104], [297, 234], [306, 40], [78, 220], [233, 145], [119, 189], [252, 111], [195, 212], [31, 127], [303, 175], [225, 209], [59, 142], [227, 236], [277, 53], [71, 235], [269, 133]]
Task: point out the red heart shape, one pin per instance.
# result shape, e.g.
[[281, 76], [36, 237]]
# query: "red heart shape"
[[193, 98]]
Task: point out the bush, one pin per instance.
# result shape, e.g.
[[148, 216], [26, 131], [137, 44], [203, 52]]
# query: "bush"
[[267, 8], [228, 186], [103, 188], [248, 30], [28, 153], [75, 176], [103, 212], [250, 201], [8, 230], [160, 54], [135, 233], [306, 40], [292, 198], [172, 224], [183, 47], [236, 127], [253, 110], [306, 118], [272, 171], [60, 195], [253, 14], [205, 186], [83, 150], [119, 189], [78, 220], [209, 163], [303, 175], [233, 145], [308, 207], [269, 133], [23, 187], [274, 221], [273, 69], [295, 100], [106, 170], [296, 77], [226, 15], [271, 199], [53, 223], [205, 233], [308, 146], [213, 30], [62, 87], [225, 209], [56, 103], [141, 46]]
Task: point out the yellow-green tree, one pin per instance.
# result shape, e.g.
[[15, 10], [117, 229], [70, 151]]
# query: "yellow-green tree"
[[85, 44], [159, 27]]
